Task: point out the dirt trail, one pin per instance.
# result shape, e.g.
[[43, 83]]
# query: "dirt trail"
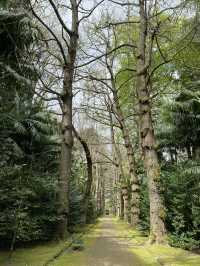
[[111, 248]]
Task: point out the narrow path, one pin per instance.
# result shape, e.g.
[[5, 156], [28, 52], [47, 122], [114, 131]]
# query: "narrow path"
[[111, 248]]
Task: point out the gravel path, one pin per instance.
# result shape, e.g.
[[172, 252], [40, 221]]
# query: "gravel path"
[[111, 248]]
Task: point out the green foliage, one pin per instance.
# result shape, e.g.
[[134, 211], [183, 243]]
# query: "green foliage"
[[76, 197], [27, 206], [76, 203], [3, 4], [183, 207], [28, 150], [181, 192], [184, 240]]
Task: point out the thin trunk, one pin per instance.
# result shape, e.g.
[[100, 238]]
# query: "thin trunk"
[[135, 188], [101, 192], [148, 141], [196, 152], [103, 195], [89, 181], [125, 203], [116, 191], [171, 155], [189, 153], [121, 214], [98, 200]]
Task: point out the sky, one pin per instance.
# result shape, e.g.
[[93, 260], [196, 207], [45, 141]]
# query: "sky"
[[116, 12]]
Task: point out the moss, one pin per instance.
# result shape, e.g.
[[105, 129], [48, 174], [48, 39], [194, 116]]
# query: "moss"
[[156, 175], [38, 255], [70, 259], [153, 255], [78, 258], [162, 213], [34, 256]]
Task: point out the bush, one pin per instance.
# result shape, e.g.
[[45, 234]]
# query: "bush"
[[27, 206], [185, 240]]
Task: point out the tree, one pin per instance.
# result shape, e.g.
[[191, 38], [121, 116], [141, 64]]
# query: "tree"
[[148, 140], [89, 181], [65, 55]]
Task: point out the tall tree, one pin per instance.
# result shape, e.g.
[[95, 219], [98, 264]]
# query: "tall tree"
[[148, 139], [65, 55]]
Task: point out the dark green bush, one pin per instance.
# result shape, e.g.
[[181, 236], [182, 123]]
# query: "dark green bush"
[[27, 206]]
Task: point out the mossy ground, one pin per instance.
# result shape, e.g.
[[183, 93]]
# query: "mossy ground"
[[78, 258], [153, 255], [40, 254], [148, 255], [33, 256]]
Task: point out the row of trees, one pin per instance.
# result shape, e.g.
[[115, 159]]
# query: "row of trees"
[[32, 195], [126, 88]]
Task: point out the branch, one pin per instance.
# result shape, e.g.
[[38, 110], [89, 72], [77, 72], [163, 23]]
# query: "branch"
[[109, 159], [49, 30], [91, 11], [106, 54], [68, 31], [123, 4]]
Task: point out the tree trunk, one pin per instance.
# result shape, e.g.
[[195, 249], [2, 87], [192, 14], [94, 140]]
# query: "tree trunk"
[[103, 195], [126, 203], [123, 190], [121, 214], [135, 188], [88, 188], [196, 152], [66, 126], [189, 153], [66, 156], [88, 184], [101, 192], [98, 193], [148, 141]]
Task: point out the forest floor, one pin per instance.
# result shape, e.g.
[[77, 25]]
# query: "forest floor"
[[109, 243]]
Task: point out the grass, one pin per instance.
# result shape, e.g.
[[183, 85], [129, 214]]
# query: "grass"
[[40, 254], [33, 256], [77, 258], [153, 255]]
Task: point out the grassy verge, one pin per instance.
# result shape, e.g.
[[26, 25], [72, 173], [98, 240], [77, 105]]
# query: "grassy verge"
[[70, 258], [40, 254], [153, 255], [32, 256]]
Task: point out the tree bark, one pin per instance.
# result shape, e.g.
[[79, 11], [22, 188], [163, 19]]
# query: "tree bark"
[[148, 141], [135, 188], [98, 192], [121, 214], [66, 127], [89, 181], [66, 155], [196, 152], [123, 200], [103, 194], [125, 203]]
